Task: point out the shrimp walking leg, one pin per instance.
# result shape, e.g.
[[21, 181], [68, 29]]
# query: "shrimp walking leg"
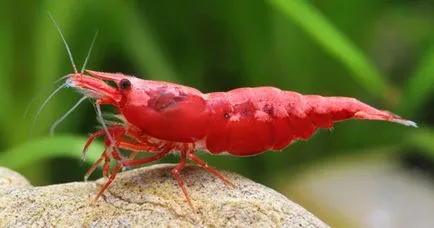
[[142, 145], [204, 165], [92, 137], [110, 180], [117, 133], [133, 154], [106, 167], [177, 176], [138, 146], [131, 157], [92, 169], [152, 158]]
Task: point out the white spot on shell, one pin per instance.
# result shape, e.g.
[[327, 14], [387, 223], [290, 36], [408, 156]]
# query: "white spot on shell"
[[235, 117], [262, 116]]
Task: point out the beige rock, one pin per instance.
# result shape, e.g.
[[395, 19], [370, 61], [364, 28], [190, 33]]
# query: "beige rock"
[[149, 197], [12, 179]]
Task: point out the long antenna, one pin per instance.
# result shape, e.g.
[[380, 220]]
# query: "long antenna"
[[45, 103], [40, 94], [64, 41], [63, 85], [55, 124], [89, 52]]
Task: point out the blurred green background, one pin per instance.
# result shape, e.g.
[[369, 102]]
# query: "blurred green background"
[[381, 52]]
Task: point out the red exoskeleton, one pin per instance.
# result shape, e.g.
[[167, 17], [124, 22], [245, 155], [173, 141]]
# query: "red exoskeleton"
[[161, 117]]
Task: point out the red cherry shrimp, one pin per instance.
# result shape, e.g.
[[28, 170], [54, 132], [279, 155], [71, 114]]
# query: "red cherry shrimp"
[[162, 117]]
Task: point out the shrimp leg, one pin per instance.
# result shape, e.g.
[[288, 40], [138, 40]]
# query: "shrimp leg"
[[204, 165], [121, 143], [110, 180], [92, 137], [121, 163], [92, 169], [152, 158], [175, 171], [177, 176]]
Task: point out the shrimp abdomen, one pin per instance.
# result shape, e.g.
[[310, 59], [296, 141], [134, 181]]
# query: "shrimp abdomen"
[[248, 121]]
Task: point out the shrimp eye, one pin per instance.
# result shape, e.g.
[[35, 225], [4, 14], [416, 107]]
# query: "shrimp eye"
[[125, 84]]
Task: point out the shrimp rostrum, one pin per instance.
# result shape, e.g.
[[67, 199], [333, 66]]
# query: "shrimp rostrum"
[[160, 117]]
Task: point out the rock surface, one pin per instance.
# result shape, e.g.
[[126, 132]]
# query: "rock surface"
[[149, 197]]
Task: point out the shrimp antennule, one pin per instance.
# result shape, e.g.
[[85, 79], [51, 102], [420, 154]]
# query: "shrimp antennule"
[[55, 124]]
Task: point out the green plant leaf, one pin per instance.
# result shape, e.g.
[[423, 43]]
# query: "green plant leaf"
[[335, 43], [420, 86], [6, 44], [423, 139], [142, 43], [51, 147]]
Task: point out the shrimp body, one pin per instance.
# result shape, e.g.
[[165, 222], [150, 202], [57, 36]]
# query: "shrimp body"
[[244, 121], [163, 116]]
